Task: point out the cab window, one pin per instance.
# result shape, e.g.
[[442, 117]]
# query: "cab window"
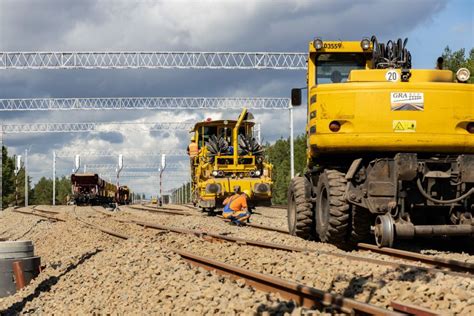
[[335, 68]]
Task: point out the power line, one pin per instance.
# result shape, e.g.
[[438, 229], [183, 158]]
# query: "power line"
[[141, 103], [153, 60]]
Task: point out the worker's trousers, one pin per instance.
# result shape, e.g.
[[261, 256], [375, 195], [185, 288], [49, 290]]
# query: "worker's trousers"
[[238, 217]]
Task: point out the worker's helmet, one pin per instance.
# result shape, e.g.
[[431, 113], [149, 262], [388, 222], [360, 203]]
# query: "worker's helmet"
[[237, 189], [247, 192]]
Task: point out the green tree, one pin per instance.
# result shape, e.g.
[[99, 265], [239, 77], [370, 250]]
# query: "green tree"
[[453, 60], [43, 192], [279, 155], [63, 190], [8, 178]]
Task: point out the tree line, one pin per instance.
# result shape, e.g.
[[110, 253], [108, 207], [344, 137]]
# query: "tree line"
[[278, 154], [13, 187]]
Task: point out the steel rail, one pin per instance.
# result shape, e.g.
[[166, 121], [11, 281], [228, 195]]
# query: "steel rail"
[[412, 309], [261, 244], [453, 265], [164, 211], [100, 228], [301, 294], [274, 229], [152, 208], [54, 218], [36, 209]]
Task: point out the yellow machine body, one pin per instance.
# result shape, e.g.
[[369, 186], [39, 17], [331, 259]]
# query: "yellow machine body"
[[215, 175], [390, 149], [377, 115]]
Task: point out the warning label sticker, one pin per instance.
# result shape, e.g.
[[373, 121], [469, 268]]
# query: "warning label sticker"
[[407, 101], [404, 126]]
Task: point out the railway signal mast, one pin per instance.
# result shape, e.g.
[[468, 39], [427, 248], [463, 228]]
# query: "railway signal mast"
[[16, 171], [163, 166]]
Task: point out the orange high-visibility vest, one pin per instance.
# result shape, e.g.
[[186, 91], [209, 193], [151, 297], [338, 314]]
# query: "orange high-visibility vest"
[[193, 150], [237, 203]]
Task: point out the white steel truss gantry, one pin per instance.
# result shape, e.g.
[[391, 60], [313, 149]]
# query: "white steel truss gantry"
[[153, 60], [142, 103], [125, 153], [148, 174], [156, 166], [93, 127]]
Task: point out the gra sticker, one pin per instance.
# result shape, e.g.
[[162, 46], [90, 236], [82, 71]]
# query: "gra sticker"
[[407, 101]]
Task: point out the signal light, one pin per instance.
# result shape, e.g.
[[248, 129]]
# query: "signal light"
[[334, 126], [470, 127]]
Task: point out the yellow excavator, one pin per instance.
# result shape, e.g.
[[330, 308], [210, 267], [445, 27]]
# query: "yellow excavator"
[[390, 149]]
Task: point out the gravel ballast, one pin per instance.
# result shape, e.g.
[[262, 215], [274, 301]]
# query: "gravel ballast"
[[88, 271]]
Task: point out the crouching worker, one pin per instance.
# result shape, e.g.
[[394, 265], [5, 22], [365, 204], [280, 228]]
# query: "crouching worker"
[[235, 207]]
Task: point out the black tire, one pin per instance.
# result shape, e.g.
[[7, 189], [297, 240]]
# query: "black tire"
[[361, 221], [332, 209], [300, 213]]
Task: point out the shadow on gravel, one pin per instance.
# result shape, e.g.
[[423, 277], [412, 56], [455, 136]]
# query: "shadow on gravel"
[[46, 285], [360, 284], [280, 309]]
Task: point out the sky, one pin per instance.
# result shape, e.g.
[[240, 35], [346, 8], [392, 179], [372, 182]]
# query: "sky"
[[225, 25]]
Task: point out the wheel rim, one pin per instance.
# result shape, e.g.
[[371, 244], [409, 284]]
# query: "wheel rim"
[[384, 231], [292, 215], [323, 211]]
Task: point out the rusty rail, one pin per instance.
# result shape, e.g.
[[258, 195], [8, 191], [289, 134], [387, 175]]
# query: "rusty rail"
[[273, 229], [54, 218], [213, 237], [36, 209], [412, 309], [301, 294], [453, 265], [164, 211]]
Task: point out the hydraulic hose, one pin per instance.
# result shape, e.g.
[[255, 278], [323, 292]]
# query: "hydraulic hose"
[[428, 197]]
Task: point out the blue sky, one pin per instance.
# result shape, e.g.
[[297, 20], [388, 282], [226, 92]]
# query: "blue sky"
[[451, 26]]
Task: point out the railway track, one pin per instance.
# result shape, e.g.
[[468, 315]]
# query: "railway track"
[[299, 296], [163, 210], [453, 266]]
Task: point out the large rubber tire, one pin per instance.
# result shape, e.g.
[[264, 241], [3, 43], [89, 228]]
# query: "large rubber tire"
[[300, 212], [332, 209], [361, 221]]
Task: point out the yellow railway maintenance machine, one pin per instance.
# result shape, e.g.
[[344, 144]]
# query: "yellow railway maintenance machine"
[[390, 148], [229, 155]]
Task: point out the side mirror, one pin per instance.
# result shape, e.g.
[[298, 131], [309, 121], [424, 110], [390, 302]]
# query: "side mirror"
[[295, 97]]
